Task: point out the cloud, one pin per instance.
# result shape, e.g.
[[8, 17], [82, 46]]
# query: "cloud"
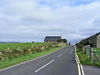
[[28, 20]]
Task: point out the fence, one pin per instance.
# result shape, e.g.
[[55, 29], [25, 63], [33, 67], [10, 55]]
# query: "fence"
[[96, 56], [93, 53]]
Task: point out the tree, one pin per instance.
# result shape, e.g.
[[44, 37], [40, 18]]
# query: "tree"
[[62, 40], [32, 41]]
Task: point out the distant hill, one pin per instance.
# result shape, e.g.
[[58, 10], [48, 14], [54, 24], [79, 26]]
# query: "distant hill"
[[8, 42]]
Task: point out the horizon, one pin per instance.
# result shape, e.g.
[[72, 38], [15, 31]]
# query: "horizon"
[[43, 40]]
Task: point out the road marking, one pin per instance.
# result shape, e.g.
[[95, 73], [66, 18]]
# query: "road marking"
[[80, 67], [79, 70], [44, 66], [27, 61], [82, 70], [60, 55]]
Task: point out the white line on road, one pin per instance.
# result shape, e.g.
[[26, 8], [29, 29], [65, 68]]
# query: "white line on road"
[[82, 70], [80, 67], [60, 55], [44, 66], [79, 70], [25, 62]]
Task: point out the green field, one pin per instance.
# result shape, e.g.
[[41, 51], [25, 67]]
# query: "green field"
[[13, 46], [10, 50], [14, 53], [97, 49], [14, 61]]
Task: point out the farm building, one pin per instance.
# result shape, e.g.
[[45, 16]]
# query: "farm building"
[[52, 38], [93, 41]]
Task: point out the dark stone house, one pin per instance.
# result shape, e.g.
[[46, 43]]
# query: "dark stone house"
[[52, 38], [93, 41]]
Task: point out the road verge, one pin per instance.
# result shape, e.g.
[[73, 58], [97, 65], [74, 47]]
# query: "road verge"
[[33, 57]]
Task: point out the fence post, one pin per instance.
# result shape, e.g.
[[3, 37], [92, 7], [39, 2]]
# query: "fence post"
[[94, 57], [90, 52], [85, 49]]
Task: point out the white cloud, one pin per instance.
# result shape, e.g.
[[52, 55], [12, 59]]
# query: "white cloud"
[[24, 20]]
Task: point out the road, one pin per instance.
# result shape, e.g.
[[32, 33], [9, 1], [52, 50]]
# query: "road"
[[61, 62], [91, 70]]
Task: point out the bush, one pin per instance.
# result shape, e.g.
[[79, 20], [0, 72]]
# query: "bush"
[[27, 49]]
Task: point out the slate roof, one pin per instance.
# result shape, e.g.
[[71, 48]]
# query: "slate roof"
[[91, 36], [52, 38]]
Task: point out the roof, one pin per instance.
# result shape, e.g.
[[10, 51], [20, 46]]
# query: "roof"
[[52, 38], [91, 36]]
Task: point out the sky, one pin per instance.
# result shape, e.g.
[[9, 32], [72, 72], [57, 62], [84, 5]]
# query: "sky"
[[32, 20]]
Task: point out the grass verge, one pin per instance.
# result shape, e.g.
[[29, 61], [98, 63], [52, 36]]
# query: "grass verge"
[[14, 61], [85, 60]]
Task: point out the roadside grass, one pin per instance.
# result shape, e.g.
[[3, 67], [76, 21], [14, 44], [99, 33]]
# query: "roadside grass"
[[14, 61], [85, 60], [13, 46]]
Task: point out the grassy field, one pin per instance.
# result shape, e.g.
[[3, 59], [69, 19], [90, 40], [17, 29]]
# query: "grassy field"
[[10, 50], [13, 46], [11, 59], [10, 62], [97, 49]]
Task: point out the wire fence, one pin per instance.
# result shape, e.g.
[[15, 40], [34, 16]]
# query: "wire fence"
[[96, 57], [93, 54]]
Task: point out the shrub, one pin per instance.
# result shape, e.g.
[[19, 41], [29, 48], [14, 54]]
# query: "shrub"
[[27, 49]]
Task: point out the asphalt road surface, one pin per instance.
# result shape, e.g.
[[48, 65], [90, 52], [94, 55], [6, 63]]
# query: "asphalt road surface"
[[61, 62], [91, 70]]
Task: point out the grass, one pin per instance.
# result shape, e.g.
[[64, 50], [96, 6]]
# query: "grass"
[[13, 46], [13, 61], [85, 60], [97, 49]]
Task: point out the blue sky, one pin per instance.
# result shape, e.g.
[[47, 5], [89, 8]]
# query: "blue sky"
[[66, 2], [28, 20]]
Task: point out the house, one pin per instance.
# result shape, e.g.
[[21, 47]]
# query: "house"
[[93, 41], [52, 38]]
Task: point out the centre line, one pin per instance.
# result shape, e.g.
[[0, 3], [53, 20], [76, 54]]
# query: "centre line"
[[44, 66], [60, 55]]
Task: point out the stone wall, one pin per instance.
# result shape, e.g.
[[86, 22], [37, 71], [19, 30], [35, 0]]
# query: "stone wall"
[[98, 41]]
